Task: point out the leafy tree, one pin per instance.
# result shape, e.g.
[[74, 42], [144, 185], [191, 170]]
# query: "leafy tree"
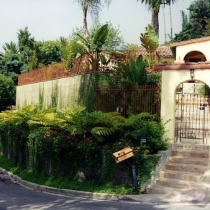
[[26, 43], [7, 92], [48, 52], [69, 48], [93, 47], [10, 61], [154, 6], [27, 55], [198, 24], [207, 32], [27, 48], [199, 16], [113, 41], [18, 58], [35, 54]]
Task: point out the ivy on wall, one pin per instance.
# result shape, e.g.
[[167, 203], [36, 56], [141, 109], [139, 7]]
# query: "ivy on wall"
[[87, 93], [82, 93], [41, 97], [54, 95]]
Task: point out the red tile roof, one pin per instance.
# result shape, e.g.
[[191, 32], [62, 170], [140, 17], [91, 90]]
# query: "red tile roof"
[[163, 51]]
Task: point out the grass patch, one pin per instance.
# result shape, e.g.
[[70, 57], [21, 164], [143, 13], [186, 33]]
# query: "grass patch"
[[62, 183]]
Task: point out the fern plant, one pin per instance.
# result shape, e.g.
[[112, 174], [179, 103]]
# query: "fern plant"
[[102, 125], [71, 120]]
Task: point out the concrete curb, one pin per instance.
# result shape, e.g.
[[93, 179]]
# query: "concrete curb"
[[141, 198], [71, 193]]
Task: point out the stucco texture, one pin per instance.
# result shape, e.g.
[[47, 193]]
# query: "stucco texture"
[[170, 81], [67, 91]]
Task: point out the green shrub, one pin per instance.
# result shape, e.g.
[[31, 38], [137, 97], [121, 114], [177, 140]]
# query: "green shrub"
[[133, 74], [61, 143], [7, 92], [145, 125]]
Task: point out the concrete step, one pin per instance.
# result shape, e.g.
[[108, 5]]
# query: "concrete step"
[[186, 160], [158, 189], [180, 175], [177, 184], [190, 154], [188, 170], [196, 169], [206, 177]]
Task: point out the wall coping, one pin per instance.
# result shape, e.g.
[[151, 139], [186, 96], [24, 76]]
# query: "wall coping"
[[182, 66]]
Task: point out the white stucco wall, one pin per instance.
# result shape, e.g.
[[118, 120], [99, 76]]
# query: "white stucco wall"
[[202, 47], [170, 80], [68, 92]]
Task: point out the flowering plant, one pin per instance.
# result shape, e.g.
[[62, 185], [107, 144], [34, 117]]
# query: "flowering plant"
[[87, 144], [50, 133]]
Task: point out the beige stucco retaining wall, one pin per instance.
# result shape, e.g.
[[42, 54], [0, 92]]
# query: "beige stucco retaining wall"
[[170, 80], [67, 90]]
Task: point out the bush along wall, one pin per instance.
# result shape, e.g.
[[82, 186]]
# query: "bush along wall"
[[61, 143]]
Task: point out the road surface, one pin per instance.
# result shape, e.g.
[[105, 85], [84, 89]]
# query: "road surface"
[[16, 197]]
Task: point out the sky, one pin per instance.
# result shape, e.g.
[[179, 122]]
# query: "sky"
[[50, 19]]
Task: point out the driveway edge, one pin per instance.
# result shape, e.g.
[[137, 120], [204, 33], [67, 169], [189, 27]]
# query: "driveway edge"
[[71, 193]]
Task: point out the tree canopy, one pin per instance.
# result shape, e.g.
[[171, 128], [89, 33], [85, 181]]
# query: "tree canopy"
[[7, 92], [198, 24], [70, 47], [27, 54]]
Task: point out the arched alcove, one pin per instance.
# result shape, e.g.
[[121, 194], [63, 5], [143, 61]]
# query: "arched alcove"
[[195, 56], [192, 118], [172, 76]]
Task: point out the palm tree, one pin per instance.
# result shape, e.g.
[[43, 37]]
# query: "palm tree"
[[12, 47], [154, 5], [93, 7]]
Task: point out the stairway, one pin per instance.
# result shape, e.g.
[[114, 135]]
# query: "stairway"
[[187, 170]]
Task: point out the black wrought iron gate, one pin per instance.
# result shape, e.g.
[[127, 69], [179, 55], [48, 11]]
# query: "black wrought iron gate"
[[192, 124]]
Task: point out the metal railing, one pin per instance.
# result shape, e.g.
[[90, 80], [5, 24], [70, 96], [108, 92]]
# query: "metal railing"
[[145, 98]]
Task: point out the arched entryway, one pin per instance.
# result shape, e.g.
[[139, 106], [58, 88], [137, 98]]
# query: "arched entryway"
[[173, 75], [192, 118], [195, 56]]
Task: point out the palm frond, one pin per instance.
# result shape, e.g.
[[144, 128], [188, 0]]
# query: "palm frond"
[[102, 131]]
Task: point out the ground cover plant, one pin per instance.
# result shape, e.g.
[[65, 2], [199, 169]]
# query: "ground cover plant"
[[61, 182], [61, 143]]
